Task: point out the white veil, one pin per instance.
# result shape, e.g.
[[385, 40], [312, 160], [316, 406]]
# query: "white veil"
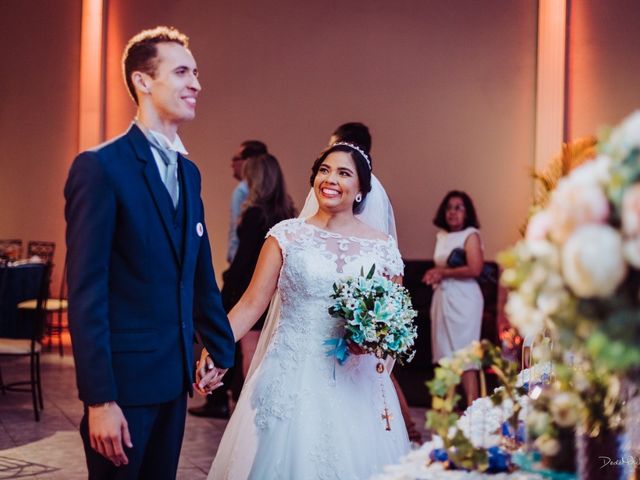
[[376, 212]]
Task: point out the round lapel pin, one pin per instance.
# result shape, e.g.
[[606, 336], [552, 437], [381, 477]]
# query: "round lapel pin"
[[199, 229]]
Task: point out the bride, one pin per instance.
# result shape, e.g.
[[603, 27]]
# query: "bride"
[[300, 415]]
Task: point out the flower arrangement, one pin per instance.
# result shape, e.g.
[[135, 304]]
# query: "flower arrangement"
[[577, 271], [576, 274], [378, 317], [459, 447]]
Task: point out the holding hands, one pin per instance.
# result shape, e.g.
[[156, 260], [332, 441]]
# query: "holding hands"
[[208, 376]]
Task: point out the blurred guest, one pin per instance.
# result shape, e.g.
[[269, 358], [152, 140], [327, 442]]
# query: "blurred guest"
[[217, 403], [248, 148], [457, 304], [267, 203]]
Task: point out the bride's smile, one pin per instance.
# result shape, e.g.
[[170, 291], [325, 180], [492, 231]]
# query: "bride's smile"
[[336, 183]]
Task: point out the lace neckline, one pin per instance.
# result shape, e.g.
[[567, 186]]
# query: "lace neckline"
[[331, 234]]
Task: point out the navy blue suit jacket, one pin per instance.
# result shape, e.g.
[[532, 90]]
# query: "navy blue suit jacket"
[[132, 293]]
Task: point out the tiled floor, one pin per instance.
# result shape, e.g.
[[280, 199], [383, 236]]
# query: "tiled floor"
[[52, 448]]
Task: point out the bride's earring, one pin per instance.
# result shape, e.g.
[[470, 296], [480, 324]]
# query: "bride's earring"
[[359, 197]]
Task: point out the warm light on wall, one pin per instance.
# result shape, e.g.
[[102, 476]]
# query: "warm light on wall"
[[91, 115], [550, 82]]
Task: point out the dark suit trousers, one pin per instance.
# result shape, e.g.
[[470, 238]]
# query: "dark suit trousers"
[[156, 433]]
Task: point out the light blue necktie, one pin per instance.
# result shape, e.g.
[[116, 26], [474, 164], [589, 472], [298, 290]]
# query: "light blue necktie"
[[170, 159]]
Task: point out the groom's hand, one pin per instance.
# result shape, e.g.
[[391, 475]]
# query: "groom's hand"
[[108, 430], [208, 376]]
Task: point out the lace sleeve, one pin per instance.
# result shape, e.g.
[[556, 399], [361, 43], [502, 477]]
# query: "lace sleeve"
[[284, 233], [393, 261]]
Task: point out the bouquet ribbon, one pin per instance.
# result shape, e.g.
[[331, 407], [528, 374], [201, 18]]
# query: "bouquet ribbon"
[[339, 350]]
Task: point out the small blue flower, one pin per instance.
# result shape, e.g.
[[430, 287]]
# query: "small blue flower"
[[438, 455]]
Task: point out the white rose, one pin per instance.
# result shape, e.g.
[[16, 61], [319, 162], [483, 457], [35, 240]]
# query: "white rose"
[[549, 301], [631, 210], [539, 225], [592, 261], [576, 203], [594, 172]]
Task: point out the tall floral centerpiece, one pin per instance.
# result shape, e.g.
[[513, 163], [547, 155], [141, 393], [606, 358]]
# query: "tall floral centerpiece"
[[577, 274]]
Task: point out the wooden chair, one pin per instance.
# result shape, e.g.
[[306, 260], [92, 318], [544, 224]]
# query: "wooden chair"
[[30, 347], [44, 250], [10, 249]]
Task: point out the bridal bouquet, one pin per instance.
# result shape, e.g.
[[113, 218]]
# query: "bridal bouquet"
[[377, 315]]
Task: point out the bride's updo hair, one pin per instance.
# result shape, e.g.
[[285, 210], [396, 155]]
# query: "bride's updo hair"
[[361, 161]]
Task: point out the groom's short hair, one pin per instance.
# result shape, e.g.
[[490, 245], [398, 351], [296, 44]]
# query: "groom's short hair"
[[354, 132], [141, 52]]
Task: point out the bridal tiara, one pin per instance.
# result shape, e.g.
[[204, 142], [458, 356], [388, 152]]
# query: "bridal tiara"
[[355, 147]]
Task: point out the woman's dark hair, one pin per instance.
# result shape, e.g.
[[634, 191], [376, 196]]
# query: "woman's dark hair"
[[470, 216], [267, 189], [362, 169]]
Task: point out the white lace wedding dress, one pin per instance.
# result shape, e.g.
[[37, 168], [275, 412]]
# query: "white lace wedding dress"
[[301, 416]]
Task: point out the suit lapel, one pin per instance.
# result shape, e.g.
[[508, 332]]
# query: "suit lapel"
[[154, 182]]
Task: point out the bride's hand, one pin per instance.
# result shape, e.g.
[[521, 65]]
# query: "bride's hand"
[[208, 377], [356, 349]]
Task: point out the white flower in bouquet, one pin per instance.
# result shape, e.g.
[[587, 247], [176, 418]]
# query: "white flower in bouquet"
[[377, 316], [592, 261]]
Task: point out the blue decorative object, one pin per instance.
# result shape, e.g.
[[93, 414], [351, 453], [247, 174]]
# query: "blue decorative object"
[[499, 460], [507, 431], [438, 455]]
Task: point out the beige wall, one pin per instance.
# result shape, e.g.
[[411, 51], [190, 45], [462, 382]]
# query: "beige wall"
[[40, 51], [446, 87], [604, 64]]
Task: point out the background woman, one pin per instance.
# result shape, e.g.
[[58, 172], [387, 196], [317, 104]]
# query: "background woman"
[[267, 204], [457, 304]]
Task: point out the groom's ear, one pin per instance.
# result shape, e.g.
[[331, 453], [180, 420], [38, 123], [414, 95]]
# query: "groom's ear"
[[141, 82]]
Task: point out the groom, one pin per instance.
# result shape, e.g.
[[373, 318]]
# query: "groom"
[[139, 268]]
